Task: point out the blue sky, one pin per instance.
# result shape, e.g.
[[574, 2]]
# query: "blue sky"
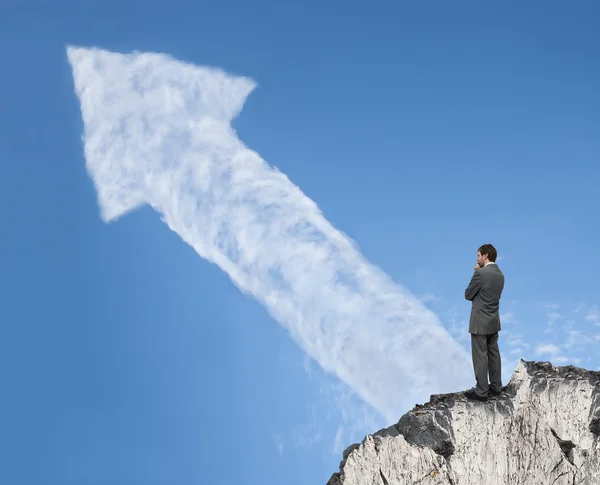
[[421, 132]]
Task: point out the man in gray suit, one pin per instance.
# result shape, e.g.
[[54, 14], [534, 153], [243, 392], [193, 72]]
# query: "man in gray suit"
[[484, 291]]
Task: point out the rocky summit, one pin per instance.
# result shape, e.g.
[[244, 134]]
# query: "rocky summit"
[[543, 429]]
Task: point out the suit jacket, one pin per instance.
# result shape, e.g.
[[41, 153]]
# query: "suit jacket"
[[485, 290]]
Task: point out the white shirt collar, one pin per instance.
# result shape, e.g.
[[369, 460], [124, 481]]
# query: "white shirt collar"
[[489, 262]]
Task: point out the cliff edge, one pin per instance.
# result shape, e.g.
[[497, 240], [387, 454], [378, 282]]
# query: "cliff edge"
[[543, 429]]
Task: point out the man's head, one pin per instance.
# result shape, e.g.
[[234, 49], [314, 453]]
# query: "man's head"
[[486, 253]]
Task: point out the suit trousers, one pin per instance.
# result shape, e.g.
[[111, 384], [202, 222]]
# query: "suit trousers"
[[486, 361]]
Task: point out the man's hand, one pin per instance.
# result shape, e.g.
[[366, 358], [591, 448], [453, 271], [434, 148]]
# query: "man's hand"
[[477, 267]]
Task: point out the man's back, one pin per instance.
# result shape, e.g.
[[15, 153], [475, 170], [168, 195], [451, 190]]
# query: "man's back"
[[485, 291]]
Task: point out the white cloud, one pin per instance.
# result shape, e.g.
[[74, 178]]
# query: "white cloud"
[[337, 407], [306, 365], [563, 359], [553, 316], [458, 324], [308, 434], [507, 318], [338, 443], [576, 339], [356, 417], [278, 443], [593, 316], [427, 297], [554, 354], [547, 349], [516, 340], [157, 131], [572, 341]]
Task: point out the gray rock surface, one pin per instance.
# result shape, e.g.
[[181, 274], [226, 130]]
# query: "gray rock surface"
[[544, 429]]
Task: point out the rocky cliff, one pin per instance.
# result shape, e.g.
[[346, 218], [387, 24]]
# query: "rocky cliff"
[[543, 429]]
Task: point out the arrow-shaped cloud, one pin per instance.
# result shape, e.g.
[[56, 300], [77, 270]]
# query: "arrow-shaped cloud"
[[158, 132]]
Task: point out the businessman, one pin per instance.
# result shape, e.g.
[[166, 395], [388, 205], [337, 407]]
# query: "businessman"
[[484, 291]]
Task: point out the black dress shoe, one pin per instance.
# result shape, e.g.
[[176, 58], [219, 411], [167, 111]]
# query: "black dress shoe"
[[474, 397], [495, 393]]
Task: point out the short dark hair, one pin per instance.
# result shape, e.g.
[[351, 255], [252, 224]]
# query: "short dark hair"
[[490, 250]]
